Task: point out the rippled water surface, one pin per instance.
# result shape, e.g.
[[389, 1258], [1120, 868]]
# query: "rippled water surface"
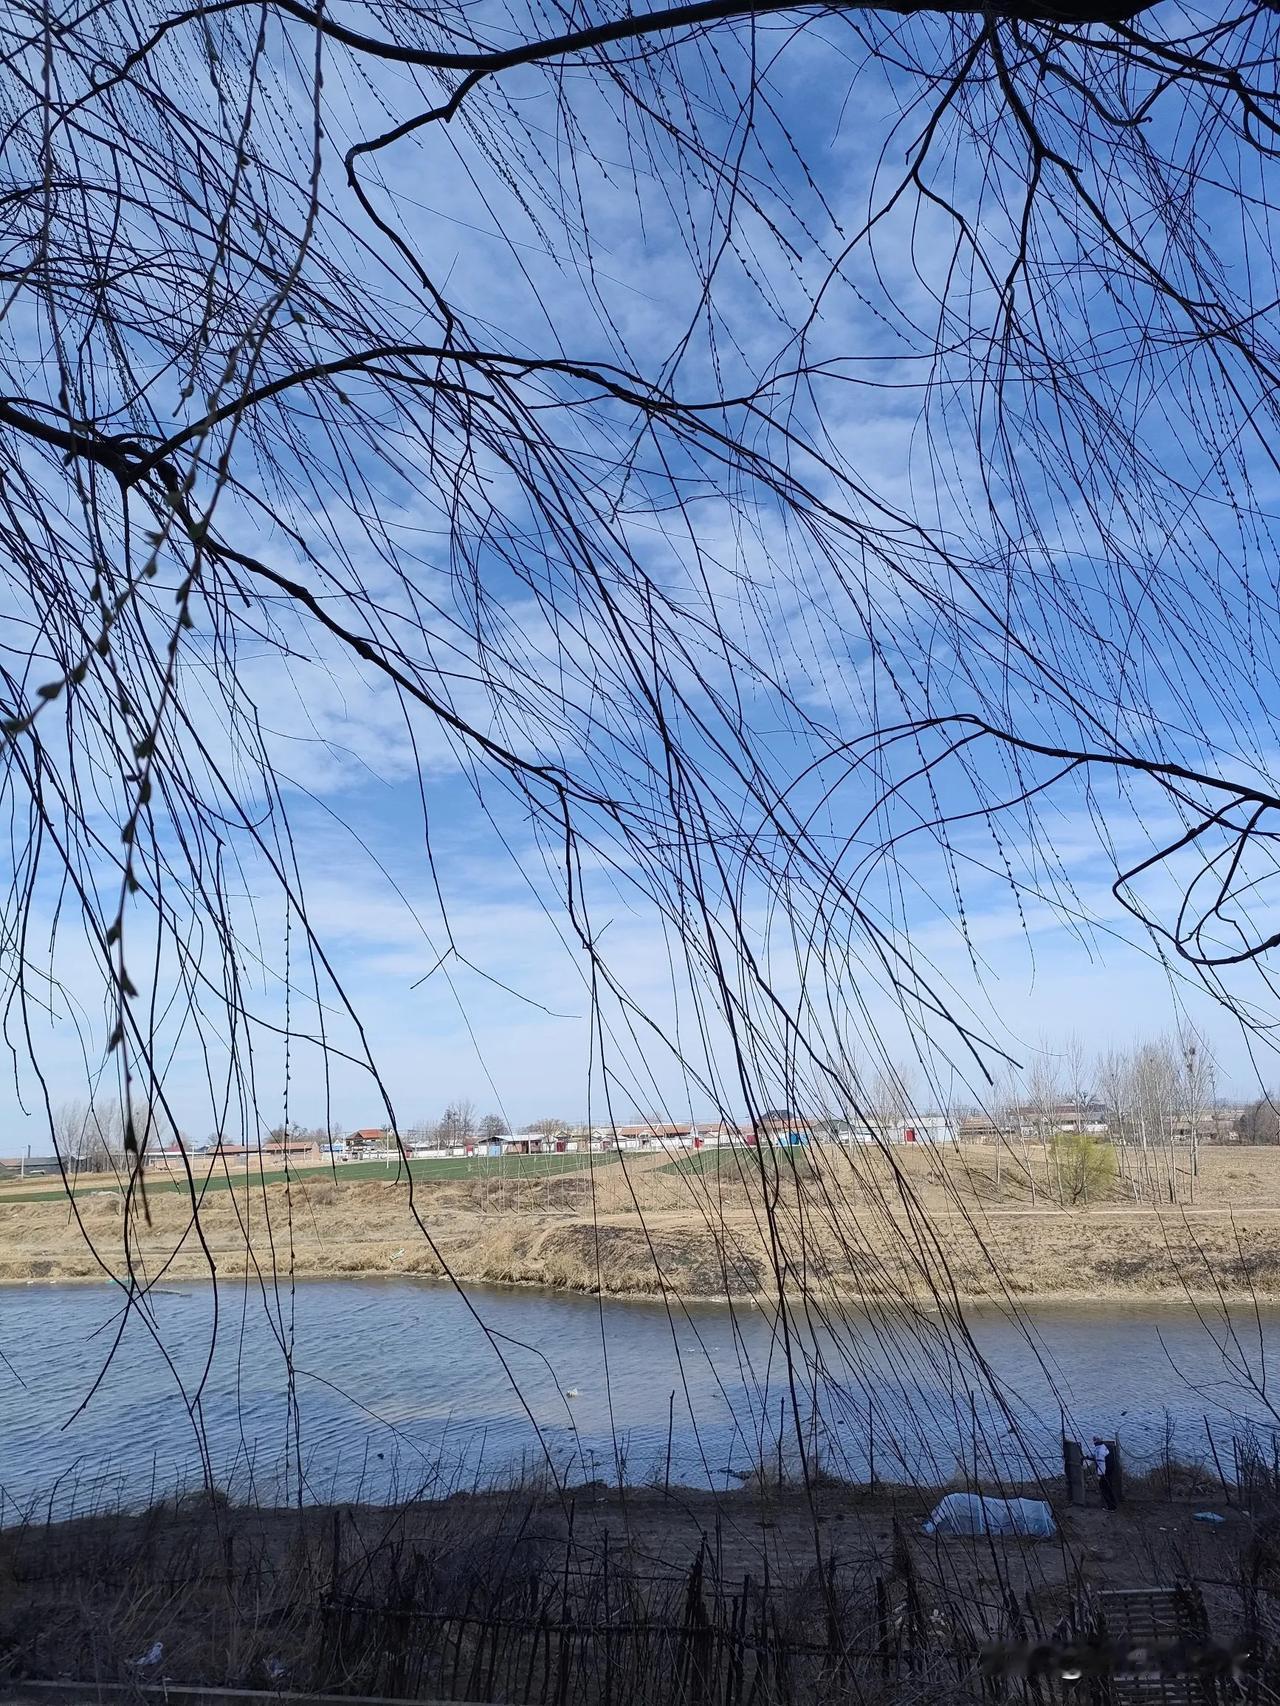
[[377, 1388]]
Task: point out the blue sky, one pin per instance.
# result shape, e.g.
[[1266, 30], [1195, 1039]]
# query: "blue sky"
[[462, 970]]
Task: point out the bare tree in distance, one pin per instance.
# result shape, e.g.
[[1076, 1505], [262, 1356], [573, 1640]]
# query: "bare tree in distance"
[[1260, 1121], [1158, 1101], [457, 1124], [1010, 1118], [1200, 1084], [88, 1137], [1077, 1076], [892, 1096], [1113, 1077], [1042, 1093], [491, 1126]]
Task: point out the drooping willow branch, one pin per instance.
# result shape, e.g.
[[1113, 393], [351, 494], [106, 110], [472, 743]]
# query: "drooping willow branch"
[[746, 456]]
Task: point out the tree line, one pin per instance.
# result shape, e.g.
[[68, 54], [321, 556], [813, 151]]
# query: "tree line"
[[1138, 1114]]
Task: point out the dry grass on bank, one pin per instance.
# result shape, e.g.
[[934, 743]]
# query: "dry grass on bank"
[[840, 1226]]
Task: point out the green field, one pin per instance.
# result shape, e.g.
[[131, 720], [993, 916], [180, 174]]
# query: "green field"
[[343, 1172], [711, 1161]]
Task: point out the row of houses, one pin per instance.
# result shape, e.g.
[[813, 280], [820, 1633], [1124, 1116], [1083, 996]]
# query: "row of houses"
[[778, 1132], [775, 1129], [781, 1131], [1027, 1119], [1216, 1125]]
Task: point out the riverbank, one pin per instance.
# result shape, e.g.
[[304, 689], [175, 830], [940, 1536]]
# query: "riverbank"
[[840, 1227], [531, 1593]]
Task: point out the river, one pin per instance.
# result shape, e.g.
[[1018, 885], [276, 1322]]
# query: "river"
[[383, 1389]]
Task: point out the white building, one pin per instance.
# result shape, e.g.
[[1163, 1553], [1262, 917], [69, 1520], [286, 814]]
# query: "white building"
[[914, 1128]]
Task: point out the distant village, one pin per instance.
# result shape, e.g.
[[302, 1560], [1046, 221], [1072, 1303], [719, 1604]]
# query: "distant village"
[[1156, 1095], [454, 1137], [556, 1138]]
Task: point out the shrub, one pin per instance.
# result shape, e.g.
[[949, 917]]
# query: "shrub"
[[1084, 1164]]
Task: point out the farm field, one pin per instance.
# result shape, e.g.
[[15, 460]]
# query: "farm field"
[[512, 1167]]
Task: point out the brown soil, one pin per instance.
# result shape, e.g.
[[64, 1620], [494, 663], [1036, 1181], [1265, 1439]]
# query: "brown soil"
[[656, 1533], [223, 1588]]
